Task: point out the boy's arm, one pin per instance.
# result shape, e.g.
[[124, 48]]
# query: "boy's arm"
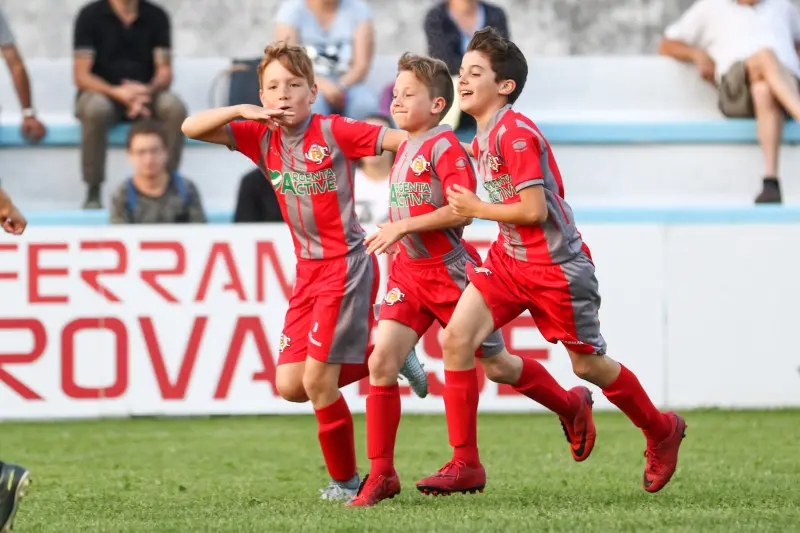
[[11, 218], [522, 153], [391, 232], [452, 167], [209, 125], [392, 139], [530, 210]]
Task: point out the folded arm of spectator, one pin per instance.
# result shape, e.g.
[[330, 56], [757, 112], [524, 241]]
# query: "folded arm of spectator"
[[31, 127], [689, 54]]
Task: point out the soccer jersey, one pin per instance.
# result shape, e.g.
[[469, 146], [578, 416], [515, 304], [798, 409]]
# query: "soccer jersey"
[[311, 168], [513, 155], [425, 167]]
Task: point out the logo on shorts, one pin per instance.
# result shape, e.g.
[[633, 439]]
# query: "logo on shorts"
[[493, 161], [394, 296], [317, 153], [420, 165], [284, 343], [482, 270], [311, 338], [461, 163]]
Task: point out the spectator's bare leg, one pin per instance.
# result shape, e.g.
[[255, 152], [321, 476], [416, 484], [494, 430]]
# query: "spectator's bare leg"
[[764, 66], [769, 123], [172, 112], [97, 114]]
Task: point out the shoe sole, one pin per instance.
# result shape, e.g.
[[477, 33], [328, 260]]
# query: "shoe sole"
[[436, 491], [20, 493], [683, 436], [376, 503]]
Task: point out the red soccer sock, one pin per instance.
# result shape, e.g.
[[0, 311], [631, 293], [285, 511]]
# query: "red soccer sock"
[[383, 419], [536, 383], [628, 394], [461, 409], [336, 439], [352, 373]]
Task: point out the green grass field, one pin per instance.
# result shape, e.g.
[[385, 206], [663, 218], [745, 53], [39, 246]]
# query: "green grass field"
[[738, 471]]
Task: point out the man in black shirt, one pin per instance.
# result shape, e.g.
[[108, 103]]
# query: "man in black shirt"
[[123, 71]]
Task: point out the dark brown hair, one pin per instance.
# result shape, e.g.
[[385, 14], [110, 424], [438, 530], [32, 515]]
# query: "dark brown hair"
[[146, 127], [506, 59], [433, 73], [293, 58]]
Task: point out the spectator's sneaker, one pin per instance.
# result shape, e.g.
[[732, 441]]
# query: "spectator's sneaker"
[[580, 431], [662, 458], [14, 483], [414, 372], [374, 489], [93, 199], [770, 193], [341, 490], [455, 476]]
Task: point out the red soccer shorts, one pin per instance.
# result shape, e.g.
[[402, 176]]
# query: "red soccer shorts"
[[330, 315], [423, 290], [562, 299]]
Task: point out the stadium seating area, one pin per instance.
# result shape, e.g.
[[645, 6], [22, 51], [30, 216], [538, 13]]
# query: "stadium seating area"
[[636, 112]]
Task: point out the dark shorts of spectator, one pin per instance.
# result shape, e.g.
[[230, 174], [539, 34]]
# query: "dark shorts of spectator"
[[735, 98]]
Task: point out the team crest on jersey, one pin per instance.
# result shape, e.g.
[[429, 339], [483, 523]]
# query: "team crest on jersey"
[[420, 165], [493, 161], [284, 343], [394, 296], [482, 270], [317, 153]]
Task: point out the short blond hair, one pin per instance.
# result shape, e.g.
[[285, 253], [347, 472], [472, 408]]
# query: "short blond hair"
[[293, 58], [431, 72]]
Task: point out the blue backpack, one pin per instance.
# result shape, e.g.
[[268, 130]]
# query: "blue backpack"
[[133, 194]]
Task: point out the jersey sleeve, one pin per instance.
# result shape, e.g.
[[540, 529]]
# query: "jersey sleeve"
[[245, 136], [522, 152], [357, 139], [452, 166]]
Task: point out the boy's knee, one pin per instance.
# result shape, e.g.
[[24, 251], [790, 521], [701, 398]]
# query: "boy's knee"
[[319, 384], [494, 369], [457, 344], [586, 367], [383, 365], [291, 390]]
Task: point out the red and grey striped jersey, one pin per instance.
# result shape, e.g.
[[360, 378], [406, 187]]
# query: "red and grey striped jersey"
[[425, 167], [512, 155], [311, 168]]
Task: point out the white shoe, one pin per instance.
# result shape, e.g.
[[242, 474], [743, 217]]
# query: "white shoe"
[[341, 491], [414, 372]]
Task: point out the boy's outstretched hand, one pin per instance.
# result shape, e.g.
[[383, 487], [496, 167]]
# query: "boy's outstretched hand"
[[464, 202], [13, 220], [383, 241]]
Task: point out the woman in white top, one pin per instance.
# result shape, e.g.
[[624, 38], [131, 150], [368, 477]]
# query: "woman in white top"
[[372, 182]]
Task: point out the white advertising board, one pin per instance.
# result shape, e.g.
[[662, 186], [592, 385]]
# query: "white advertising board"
[[185, 320]]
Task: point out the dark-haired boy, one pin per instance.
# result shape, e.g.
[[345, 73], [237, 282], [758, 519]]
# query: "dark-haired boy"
[[539, 263]]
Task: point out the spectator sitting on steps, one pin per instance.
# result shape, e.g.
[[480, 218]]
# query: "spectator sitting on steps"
[[749, 50], [339, 37], [154, 195], [123, 70]]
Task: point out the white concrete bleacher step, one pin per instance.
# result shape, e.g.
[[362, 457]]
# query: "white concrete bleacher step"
[[610, 118]]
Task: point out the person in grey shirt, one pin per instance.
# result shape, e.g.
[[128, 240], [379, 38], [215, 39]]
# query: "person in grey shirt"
[[154, 195], [32, 128]]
